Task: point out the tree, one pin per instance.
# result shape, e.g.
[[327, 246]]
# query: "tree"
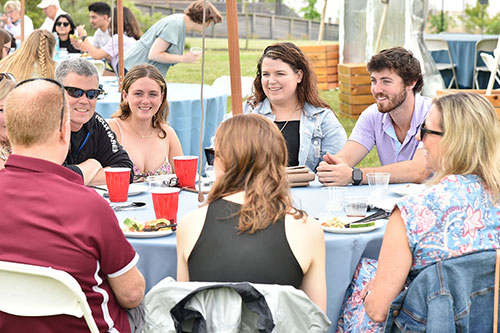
[[477, 18], [310, 11]]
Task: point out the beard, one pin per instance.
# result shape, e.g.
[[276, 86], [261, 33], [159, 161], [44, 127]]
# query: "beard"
[[392, 102]]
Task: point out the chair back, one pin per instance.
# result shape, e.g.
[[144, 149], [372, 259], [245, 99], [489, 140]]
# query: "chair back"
[[35, 291], [436, 44], [230, 307], [483, 45], [491, 64]]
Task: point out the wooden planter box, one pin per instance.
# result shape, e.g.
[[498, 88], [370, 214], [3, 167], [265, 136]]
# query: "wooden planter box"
[[324, 59], [494, 98], [355, 89]]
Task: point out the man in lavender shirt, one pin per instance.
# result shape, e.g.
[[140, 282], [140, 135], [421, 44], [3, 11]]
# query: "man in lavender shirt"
[[392, 124]]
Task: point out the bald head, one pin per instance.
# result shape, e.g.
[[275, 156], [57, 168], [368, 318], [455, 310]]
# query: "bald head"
[[33, 112]]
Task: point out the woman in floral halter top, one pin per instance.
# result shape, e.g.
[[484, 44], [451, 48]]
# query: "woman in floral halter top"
[[140, 123]]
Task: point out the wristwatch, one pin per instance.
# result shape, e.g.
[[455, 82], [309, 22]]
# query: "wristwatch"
[[83, 38], [357, 176]]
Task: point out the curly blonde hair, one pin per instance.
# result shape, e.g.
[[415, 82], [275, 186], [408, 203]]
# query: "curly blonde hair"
[[253, 154], [33, 58]]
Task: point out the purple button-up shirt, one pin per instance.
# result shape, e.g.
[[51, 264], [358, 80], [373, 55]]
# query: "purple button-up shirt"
[[375, 128]]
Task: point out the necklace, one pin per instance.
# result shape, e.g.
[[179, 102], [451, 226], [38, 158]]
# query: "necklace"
[[144, 137], [286, 123]]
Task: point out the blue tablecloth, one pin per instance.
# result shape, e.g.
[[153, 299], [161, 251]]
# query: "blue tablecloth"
[[158, 256], [185, 111], [462, 47]]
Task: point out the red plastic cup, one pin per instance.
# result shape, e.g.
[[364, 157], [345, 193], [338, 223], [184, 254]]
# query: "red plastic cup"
[[117, 181], [185, 169], [166, 203]]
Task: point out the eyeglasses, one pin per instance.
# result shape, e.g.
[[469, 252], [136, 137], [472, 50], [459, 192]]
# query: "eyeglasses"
[[7, 76], [64, 24], [77, 92], [49, 80], [424, 131]]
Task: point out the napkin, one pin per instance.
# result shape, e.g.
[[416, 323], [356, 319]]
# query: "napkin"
[[299, 176]]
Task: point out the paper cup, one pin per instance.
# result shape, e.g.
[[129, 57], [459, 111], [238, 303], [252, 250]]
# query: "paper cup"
[[185, 169], [166, 203], [196, 50], [117, 181]]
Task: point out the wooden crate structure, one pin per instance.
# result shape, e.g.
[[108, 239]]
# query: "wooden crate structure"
[[355, 89], [324, 59], [494, 98]]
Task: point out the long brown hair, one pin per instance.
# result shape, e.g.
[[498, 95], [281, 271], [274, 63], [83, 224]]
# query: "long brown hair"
[[4, 39], [135, 73], [130, 25], [253, 154], [36, 50], [307, 89]]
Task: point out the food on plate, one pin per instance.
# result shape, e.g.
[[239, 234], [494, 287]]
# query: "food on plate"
[[130, 224], [334, 222]]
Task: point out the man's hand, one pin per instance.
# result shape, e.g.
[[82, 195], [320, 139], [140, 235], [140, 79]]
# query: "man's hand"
[[334, 171], [190, 57]]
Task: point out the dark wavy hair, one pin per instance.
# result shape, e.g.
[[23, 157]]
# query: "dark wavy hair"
[[253, 154], [307, 90], [135, 73], [70, 20], [402, 62], [130, 25]]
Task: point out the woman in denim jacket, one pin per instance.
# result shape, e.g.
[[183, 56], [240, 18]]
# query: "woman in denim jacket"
[[285, 91], [458, 214]]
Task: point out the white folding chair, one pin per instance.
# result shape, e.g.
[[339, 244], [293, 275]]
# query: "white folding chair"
[[223, 83], [35, 291], [485, 45], [437, 44], [491, 64]]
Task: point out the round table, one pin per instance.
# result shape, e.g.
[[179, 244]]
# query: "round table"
[[184, 110], [158, 256]]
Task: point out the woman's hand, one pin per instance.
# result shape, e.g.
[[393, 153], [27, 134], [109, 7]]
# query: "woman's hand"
[[190, 57]]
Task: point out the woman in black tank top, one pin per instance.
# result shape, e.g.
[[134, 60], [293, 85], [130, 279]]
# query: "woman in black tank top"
[[249, 230]]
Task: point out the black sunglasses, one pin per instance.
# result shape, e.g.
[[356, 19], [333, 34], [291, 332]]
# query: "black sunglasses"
[[65, 24], [77, 92], [424, 131], [7, 76], [53, 81]]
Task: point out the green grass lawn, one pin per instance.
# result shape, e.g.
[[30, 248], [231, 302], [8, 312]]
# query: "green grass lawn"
[[217, 64]]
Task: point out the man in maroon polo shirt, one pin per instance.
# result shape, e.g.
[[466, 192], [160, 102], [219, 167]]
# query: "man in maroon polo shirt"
[[50, 219]]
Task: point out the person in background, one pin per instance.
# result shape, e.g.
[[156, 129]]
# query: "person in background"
[[285, 91], [141, 123], [7, 83], [34, 58], [5, 42], [12, 22], [132, 33], [249, 230], [51, 9], [391, 124], [458, 213], [93, 144], [63, 224], [163, 44], [100, 19], [64, 27]]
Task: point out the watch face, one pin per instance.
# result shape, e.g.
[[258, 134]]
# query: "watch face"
[[357, 176]]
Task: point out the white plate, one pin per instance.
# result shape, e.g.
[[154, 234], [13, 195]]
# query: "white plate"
[[346, 219], [407, 189], [133, 189], [147, 234]]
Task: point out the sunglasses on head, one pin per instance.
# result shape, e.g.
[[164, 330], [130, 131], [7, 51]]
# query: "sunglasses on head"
[[49, 80], [64, 24], [424, 131], [77, 92], [7, 76]]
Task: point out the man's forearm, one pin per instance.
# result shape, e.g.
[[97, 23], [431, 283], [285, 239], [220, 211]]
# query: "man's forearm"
[[401, 172]]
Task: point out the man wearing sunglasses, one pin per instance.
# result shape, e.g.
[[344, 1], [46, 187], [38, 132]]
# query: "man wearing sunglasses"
[[93, 143], [50, 219], [391, 124]]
